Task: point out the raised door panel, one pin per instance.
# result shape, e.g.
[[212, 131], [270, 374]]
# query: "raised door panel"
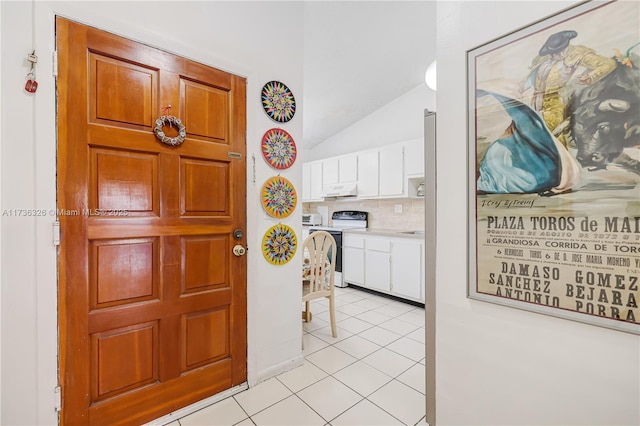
[[406, 269], [368, 165], [205, 263], [206, 110], [122, 92], [391, 171], [123, 271], [123, 183], [124, 359], [205, 338], [204, 187]]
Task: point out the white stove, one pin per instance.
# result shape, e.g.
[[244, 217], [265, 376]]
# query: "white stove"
[[341, 220]]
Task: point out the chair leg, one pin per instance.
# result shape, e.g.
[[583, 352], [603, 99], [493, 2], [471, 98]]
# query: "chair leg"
[[307, 312], [332, 313]]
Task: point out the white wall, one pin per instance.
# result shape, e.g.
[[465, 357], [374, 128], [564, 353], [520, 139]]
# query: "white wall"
[[0, 226], [399, 120], [497, 365], [226, 35]]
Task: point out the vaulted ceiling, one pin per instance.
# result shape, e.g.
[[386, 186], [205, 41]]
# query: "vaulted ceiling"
[[359, 56]]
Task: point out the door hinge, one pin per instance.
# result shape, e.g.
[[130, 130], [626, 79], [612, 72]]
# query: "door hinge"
[[56, 233], [55, 63], [57, 399]]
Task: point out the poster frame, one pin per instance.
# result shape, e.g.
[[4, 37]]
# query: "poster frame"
[[472, 166]]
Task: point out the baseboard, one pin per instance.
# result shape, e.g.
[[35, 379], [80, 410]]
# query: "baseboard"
[[190, 409], [274, 370], [261, 376], [388, 296]]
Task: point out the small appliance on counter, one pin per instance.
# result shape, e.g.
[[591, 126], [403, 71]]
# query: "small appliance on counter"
[[313, 219]]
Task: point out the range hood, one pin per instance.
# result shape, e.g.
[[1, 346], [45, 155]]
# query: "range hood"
[[340, 190]]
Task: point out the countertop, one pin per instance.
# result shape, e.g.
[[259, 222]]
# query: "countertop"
[[417, 234]]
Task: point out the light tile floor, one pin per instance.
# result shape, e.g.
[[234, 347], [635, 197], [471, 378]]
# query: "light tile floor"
[[372, 374]]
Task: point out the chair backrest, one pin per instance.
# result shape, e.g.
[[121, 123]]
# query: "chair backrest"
[[321, 247]]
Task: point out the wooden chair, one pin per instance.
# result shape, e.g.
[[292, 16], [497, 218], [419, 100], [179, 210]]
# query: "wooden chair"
[[320, 268]]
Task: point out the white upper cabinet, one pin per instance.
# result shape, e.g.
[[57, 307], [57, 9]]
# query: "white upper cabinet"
[[330, 171], [391, 178], [391, 171], [342, 169], [312, 181], [368, 173], [414, 157], [348, 168], [316, 181], [306, 181]]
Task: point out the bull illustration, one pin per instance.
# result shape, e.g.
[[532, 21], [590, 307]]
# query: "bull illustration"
[[605, 119]]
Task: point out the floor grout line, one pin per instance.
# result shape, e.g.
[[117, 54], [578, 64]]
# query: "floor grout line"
[[394, 312]]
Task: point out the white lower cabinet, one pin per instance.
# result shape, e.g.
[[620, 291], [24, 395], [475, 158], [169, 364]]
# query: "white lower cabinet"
[[305, 233], [353, 255], [393, 265], [377, 270], [406, 268]]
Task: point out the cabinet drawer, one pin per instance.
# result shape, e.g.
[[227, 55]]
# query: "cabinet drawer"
[[379, 244], [355, 241]]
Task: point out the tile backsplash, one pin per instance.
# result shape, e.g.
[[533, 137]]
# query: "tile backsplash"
[[382, 213]]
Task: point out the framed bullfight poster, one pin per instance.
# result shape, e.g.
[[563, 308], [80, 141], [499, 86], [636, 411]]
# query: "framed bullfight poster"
[[554, 166]]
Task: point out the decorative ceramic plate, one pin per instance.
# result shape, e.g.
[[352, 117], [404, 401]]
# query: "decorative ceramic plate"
[[279, 244], [279, 149], [278, 197], [278, 101]]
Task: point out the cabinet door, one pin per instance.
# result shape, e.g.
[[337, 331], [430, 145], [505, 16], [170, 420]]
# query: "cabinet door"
[[368, 174], [353, 265], [391, 171], [306, 182], [305, 234], [406, 268], [414, 157], [348, 168], [316, 181], [330, 171], [377, 270]]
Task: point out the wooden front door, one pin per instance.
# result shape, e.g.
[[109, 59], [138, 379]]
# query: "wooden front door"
[[152, 300]]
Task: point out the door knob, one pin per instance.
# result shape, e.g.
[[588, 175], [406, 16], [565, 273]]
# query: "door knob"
[[238, 250]]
